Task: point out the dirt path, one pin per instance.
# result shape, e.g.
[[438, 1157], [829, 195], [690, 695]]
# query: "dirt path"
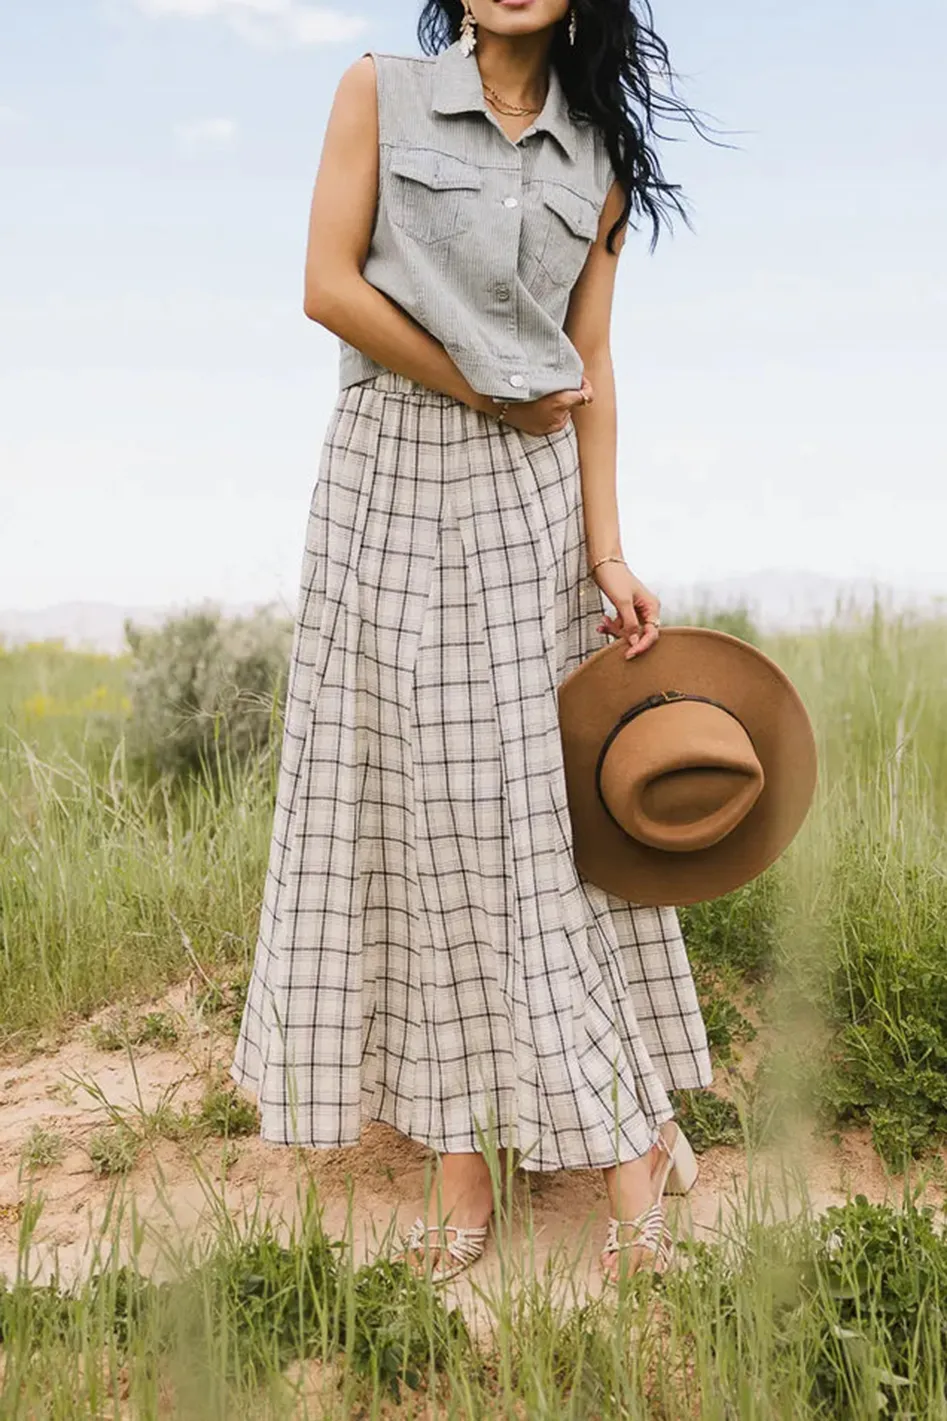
[[387, 1171]]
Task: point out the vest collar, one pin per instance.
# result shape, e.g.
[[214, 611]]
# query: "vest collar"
[[458, 89]]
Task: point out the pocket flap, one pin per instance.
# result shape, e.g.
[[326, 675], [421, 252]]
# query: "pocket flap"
[[578, 213], [435, 169]]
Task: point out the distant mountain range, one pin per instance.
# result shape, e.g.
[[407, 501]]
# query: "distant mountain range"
[[777, 599]]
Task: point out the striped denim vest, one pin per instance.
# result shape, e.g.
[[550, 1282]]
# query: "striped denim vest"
[[478, 237]]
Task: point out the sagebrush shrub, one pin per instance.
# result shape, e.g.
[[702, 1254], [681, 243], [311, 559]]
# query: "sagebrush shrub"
[[201, 684]]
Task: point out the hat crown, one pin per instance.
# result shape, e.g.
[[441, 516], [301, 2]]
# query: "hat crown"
[[604, 746], [679, 772]]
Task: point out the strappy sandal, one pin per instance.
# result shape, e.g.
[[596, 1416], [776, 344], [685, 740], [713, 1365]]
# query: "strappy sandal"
[[651, 1232], [464, 1248], [677, 1175], [678, 1172]]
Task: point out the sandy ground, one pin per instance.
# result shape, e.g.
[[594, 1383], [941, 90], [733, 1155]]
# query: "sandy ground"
[[176, 1188]]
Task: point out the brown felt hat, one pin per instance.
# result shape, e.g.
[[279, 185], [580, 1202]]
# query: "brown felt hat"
[[689, 768]]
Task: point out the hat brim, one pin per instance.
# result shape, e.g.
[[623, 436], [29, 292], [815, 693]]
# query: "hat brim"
[[701, 662]]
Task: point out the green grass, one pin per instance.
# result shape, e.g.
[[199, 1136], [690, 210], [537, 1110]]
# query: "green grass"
[[112, 888], [839, 1316]]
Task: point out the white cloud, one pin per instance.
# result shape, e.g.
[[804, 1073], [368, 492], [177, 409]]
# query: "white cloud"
[[10, 116], [265, 22], [206, 132]]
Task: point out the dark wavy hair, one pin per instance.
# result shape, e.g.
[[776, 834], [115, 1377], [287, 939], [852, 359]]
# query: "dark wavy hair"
[[608, 79]]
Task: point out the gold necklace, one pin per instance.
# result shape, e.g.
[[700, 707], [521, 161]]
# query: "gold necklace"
[[499, 103]]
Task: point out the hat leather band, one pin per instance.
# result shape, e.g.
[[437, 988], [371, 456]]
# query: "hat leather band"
[[660, 698]]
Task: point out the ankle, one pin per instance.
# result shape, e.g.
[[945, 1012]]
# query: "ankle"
[[463, 1194], [629, 1187]]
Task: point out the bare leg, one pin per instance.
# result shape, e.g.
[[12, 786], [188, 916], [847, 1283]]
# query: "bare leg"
[[466, 1197], [631, 1190]]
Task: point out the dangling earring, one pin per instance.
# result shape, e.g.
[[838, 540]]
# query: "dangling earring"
[[468, 33], [572, 24]]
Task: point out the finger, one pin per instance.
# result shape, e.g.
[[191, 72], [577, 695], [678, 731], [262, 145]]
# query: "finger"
[[647, 639], [631, 627]]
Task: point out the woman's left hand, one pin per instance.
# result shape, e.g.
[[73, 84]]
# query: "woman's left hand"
[[637, 608]]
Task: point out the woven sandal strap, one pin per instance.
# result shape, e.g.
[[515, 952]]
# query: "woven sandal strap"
[[422, 1227], [650, 1231], [647, 1218], [467, 1243], [465, 1246]]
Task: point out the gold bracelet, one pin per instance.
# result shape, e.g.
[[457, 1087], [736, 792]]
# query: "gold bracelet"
[[609, 558]]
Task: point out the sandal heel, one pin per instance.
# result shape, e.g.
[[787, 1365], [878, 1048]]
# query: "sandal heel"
[[682, 1175]]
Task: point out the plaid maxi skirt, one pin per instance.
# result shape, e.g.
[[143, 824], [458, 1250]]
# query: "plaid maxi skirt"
[[428, 953]]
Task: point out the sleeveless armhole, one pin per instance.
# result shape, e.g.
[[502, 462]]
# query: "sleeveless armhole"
[[380, 84], [605, 173]]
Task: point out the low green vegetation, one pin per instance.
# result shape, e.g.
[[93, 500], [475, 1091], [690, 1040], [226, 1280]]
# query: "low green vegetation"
[[134, 833], [116, 882], [221, 1111], [43, 1147], [839, 1316], [124, 1028], [113, 1150], [127, 871]]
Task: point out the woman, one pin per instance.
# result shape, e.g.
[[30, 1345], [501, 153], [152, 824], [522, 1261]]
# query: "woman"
[[428, 953]]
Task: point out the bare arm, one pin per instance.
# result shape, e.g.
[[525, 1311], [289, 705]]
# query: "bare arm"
[[588, 326], [338, 296], [340, 227]]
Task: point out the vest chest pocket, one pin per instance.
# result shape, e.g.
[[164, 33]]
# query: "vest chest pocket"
[[570, 223], [432, 195]]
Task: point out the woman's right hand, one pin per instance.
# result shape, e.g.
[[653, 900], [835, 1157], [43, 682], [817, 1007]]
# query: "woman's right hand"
[[550, 413]]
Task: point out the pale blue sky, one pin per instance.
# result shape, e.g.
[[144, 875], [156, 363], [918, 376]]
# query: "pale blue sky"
[[782, 370]]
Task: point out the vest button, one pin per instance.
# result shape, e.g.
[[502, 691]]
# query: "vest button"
[[510, 202], [517, 381], [503, 293]]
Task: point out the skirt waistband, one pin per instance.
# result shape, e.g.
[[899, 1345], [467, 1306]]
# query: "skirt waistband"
[[393, 383]]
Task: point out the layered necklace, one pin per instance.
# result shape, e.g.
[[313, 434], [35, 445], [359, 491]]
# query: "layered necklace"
[[496, 101]]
